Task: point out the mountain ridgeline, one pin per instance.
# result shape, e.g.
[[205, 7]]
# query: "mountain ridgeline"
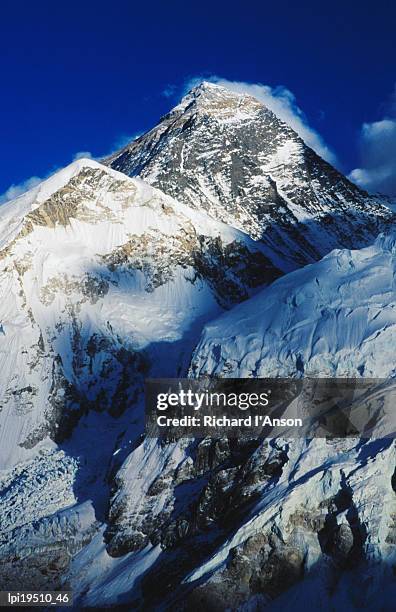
[[217, 244]]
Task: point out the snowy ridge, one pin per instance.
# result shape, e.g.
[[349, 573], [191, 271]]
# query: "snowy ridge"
[[89, 247], [333, 318], [14, 211]]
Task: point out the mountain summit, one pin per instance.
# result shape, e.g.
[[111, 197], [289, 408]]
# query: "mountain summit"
[[227, 154], [212, 99]]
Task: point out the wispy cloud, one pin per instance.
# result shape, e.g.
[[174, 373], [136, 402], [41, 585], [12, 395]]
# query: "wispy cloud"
[[123, 140], [170, 90], [282, 102], [18, 189], [119, 143], [377, 172], [82, 155]]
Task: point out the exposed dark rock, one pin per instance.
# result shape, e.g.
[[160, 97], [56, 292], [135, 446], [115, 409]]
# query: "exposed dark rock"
[[230, 156]]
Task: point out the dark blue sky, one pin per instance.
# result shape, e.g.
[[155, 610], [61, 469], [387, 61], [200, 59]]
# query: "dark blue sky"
[[78, 76]]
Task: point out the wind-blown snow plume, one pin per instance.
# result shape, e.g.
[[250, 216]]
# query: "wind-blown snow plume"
[[18, 189]]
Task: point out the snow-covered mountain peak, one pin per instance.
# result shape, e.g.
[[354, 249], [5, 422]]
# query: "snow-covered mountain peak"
[[47, 187], [13, 212], [95, 262], [106, 281], [219, 102], [224, 153]]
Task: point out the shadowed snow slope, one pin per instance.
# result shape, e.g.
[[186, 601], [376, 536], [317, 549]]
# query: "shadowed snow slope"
[[241, 525]]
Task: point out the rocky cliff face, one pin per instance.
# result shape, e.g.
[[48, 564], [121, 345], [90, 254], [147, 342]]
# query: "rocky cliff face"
[[230, 156], [106, 280]]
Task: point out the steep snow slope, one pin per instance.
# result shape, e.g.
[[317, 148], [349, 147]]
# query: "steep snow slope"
[[92, 256], [319, 523], [232, 524], [104, 280], [229, 155], [336, 317]]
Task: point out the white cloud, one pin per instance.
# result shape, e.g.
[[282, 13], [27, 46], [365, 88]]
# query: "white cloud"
[[16, 190], [280, 101], [378, 157], [83, 155]]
